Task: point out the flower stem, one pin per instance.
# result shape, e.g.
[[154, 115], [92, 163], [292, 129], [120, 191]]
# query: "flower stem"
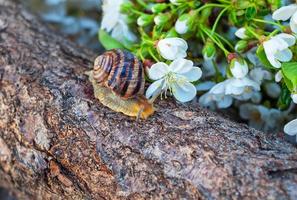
[[210, 5], [142, 3], [218, 19], [217, 42], [268, 22], [153, 55], [253, 33], [273, 33], [224, 40]]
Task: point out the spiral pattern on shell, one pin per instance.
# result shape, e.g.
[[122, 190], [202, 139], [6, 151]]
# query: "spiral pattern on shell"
[[120, 71]]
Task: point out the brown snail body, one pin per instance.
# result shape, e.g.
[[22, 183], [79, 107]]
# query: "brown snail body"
[[118, 81]]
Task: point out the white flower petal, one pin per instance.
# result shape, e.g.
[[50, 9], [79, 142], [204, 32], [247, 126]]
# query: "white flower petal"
[[184, 91], [193, 75], [269, 49], [225, 102], [273, 90], [294, 98], [256, 97], [289, 39], [206, 100], [111, 14], [155, 88], [291, 128], [219, 88], [181, 27], [175, 2], [181, 65], [258, 74], [278, 76], [204, 86], [121, 31], [293, 23], [231, 89], [284, 55], [158, 70], [248, 82], [240, 33], [172, 48], [285, 12], [239, 70]]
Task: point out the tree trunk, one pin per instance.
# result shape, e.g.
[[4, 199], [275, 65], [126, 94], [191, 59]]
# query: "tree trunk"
[[57, 141]]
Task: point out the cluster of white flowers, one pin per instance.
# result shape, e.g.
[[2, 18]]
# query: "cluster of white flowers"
[[282, 51], [244, 82], [261, 117], [277, 50], [239, 87], [175, 77]]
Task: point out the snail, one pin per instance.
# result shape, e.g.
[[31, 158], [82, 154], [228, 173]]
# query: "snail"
[[118, 82]]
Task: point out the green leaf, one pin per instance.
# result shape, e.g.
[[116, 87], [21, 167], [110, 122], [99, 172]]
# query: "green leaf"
[[289, 71], [262, 57], [250, 13], [109, 42], [233, 17], [284, 100]]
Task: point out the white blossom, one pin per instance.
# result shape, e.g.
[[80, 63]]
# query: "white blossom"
[[113, 21], [216, 97], [223, 93], [172, 48], [176, 78], [277, 49], [241, 88], [261, 117], [259, 75], [286, 12]]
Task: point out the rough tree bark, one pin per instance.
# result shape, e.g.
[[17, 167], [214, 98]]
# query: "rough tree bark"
[[57, 141]]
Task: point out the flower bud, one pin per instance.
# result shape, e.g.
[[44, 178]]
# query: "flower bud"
[[145, 19], [241, 46], [161, 19], [239, 68], [209, 50], [278, 76], [172, 48], [241, 33], [157, 8], [177, 2], [181, 25]]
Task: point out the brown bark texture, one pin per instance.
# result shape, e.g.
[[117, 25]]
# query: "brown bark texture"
[[58, 142]]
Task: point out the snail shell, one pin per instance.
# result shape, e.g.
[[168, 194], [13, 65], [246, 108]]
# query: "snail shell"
[[121, 72], [118, 81]]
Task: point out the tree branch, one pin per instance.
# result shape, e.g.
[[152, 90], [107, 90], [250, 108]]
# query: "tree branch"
[[57, 141]]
